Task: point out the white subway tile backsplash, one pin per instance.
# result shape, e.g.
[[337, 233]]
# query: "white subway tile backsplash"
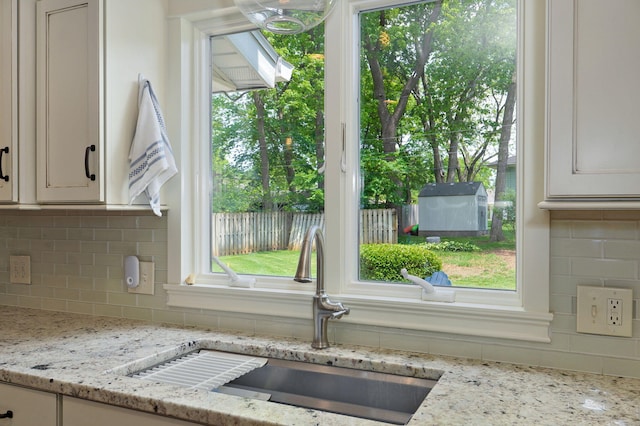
[[167, 316], [619, 230], [108, 234], [30, 302], [565, 322], [231, 322], [603, 345], [560, 266], [80, 307], [615, 249], [561, 303], [577, 247], [274, 328], [81, 234], [200, 319], [122, 222], [455, 347], [30, 233], [516, 355], [54, 304], [143, 314], [571, 361], [53, 234], [105, 310], [608, 268], [347, 333], [621, 367], [404, 340], [77, 259]]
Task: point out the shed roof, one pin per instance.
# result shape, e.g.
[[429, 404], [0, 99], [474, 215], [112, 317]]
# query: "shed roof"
[[450, 189]]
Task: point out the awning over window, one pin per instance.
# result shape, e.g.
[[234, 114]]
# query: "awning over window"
[[246, 61]]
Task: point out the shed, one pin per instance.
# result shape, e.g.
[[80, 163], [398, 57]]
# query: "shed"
[[452, 209]]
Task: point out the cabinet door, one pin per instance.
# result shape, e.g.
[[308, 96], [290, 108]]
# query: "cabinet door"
[[76, 412], [8, 100], [593, 130], [69, 78], [29, 407]]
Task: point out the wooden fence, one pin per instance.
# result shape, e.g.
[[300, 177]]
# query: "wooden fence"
[[241, 233]]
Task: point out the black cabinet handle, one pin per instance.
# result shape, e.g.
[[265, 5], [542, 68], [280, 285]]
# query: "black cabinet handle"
[[91, 176], [7, 415], [4, 150]]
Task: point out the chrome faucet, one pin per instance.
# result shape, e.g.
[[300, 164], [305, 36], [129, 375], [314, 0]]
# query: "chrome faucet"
[[323, 308]]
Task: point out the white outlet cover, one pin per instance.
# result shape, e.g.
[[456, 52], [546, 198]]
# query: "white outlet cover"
[[146, 284], [20, 269], [592, 311]]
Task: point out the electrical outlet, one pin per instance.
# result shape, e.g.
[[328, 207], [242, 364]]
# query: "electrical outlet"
[[607, 311], [20, 269], [146, 283], [614, 312]]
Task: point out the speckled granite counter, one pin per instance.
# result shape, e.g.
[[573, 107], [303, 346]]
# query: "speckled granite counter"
[[86, 357]]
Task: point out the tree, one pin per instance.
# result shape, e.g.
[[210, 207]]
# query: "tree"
[[392, 95], [501, 173], [276, 144], [435, 81], [450, 124]]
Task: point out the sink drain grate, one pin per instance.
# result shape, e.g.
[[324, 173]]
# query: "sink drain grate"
[[205, 370]]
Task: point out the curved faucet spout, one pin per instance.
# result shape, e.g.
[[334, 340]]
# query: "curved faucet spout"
[[324, 308], [303, 272]]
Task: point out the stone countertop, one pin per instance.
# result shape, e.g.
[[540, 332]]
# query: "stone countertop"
[[88, 357]]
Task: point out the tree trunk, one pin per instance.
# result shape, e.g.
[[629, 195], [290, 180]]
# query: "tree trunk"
[[267, 203], [503, 156], [389, 121]]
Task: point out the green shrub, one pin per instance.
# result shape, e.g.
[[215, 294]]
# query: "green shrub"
[[383, 262], [453, 246]]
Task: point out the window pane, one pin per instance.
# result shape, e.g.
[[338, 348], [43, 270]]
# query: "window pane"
[[267, 148], [438, 143]]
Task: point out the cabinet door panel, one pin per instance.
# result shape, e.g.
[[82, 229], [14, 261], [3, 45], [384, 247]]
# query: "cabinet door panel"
[[593, 132], [68, 102], [8, 100], [22, 401], [77, 411]]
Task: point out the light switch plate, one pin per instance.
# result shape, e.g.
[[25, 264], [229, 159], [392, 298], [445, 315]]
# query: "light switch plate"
[[606, 311]]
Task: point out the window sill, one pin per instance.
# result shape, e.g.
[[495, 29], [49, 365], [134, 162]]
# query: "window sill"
[[482, 320]]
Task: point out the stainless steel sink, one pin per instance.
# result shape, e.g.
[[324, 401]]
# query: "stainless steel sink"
[[360, 393], [365, 394]]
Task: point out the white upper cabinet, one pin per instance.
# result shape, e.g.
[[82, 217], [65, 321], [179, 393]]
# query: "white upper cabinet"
[[593, 89], [8, 100], [89, 55], [69, 74]]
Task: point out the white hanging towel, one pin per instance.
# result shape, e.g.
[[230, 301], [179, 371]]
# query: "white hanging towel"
[[151, 161]]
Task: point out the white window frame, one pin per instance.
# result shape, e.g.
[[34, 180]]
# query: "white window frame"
[[522, 315]]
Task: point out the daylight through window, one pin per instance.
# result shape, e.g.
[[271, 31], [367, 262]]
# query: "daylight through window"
[[437, 145]]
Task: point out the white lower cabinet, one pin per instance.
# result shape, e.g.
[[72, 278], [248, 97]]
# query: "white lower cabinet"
[[80, 412], [21, 406]]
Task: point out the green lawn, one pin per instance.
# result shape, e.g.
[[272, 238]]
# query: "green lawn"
[[492, 267], [275, 263]]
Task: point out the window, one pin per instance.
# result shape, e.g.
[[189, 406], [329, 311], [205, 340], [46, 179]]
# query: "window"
[[446, 72], [520, 314]]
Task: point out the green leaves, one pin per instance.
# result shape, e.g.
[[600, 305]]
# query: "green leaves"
[[383, 262]]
